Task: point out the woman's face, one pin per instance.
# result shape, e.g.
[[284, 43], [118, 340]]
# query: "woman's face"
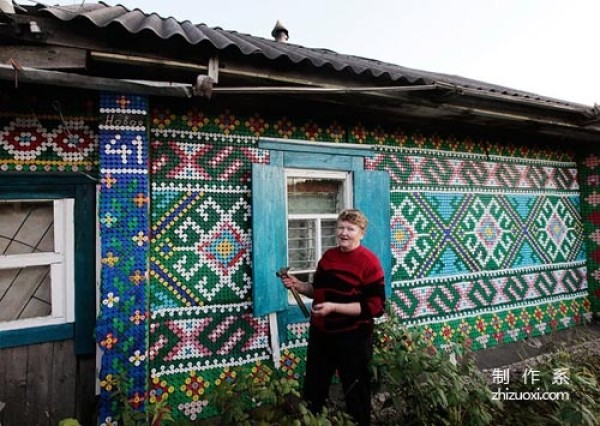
[[348, 235]]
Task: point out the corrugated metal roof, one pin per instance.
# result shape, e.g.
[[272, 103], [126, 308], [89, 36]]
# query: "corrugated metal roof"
[[135, 21]]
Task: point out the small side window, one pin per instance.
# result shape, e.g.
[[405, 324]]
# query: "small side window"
[[36, 263], [47, 260]]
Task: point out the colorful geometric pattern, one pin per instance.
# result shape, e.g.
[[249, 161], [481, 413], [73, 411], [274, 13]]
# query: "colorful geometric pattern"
[[487, 241], [201, 251], [60, 137], [472, 236], [190, 123], [442, 234], [198, 265], [197, 350], [124, 230], [491, 329], [590, 195], [429, 299], [205, 334], [421, 168], [200, 262]]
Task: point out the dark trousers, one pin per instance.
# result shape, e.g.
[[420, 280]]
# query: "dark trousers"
[[349, 354]]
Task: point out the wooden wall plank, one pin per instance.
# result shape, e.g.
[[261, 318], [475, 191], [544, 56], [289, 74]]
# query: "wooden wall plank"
[[86, 400], [63, 380], [45, 383], [39, 375], [16, 384]]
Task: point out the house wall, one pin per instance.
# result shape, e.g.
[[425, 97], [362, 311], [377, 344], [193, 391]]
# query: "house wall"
[[487, 240], [489, 247], [201, 323], [45, 382], [489, 234]]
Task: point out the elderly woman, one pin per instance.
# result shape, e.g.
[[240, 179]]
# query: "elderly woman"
[[348, 292]]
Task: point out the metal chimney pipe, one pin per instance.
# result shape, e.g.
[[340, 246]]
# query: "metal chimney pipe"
[[280, 33], [7, 6]]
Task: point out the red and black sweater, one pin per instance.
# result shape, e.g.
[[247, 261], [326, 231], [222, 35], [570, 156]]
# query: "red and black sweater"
[[346, 277]]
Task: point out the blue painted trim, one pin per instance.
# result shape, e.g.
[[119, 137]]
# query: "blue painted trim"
[[276, 158], [269, 242], [30, 336], [20, 194], [36, 180], [85, 269], [306, 160], [372, 197], [316, 147]]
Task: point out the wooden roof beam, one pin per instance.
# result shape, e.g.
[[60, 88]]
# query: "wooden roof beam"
[[46, 57]]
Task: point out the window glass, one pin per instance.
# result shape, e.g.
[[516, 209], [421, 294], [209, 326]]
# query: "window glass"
[[313, 202], [25, 293], [301, 244], [314, 195], [26, 227], [328, 227]]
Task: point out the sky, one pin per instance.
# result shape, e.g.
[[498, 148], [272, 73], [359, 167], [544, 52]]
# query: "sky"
[[548, 47]]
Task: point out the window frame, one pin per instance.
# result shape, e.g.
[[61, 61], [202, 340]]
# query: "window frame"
[[80, 304], [269, 236], [344, 176]]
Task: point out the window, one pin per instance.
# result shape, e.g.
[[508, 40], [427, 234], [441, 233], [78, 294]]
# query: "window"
[[36, 263], [295, 201], [47, 260], [314, 199]]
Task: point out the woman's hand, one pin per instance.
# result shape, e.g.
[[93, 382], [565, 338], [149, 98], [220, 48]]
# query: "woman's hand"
[[327, 308], [323, 309], [291, 282]]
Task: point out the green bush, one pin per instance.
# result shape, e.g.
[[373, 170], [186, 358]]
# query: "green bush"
[[422, 385], [157, 414], [261, 396], [418, 384]]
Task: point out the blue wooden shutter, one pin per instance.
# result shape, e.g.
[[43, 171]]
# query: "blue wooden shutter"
[[269, 241], [372, 197]]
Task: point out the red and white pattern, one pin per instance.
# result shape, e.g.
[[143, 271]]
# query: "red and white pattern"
[[24, 139], [73, 140]]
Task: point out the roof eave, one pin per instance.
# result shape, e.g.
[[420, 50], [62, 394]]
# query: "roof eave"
[[438, 101]]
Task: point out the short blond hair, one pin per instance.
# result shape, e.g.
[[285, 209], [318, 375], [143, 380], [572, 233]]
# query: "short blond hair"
[[355, 217]]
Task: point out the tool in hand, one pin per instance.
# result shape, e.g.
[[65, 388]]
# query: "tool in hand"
[[282, 273]]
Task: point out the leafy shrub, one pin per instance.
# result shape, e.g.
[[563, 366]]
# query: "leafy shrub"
[[136, 413], [421, 385], [261, 396]]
